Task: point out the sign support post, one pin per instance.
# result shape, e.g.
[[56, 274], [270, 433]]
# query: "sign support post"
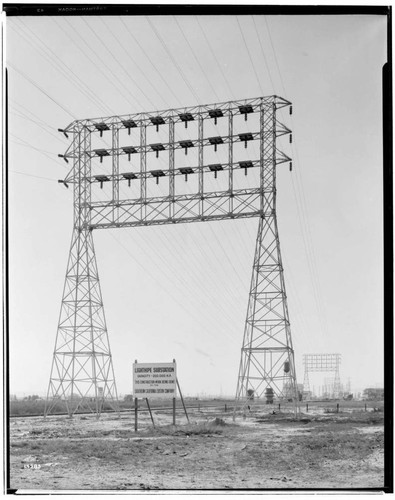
[[174, 411], [135, 413], [150, 412], [182, 400]]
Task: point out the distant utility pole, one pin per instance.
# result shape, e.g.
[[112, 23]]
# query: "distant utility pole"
[[119, 152]]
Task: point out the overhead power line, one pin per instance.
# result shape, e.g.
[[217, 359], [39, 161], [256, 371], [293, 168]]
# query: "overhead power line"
[[152, 64], [249, 55], [121, 66], [197, 60], [302, 212], [263, 54], [275, 55], [32, 82], [45, 153], [54, 61], [25, 117], [214, 56], [32, 175], [173, 60]]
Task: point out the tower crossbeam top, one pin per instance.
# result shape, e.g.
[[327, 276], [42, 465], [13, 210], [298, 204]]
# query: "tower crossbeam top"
[[177, 114]]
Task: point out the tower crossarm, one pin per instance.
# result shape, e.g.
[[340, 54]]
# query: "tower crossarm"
[[177, 114]]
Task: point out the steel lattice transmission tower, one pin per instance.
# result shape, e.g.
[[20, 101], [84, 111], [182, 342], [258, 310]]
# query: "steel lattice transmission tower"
[[116, 172], [82, 376], [322, 363], [267, 358]]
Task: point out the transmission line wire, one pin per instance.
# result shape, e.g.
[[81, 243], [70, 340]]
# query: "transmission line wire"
[[275, 56], [263, 54], [305, 226], [173, 60], [45, 153], [249, 55], [213, 54], [165, 289], [120, 65], [196, 59], [132, 60], [149, 59], [101, 105], [63, 69], [32, 82], [24, 116], [103, 73], [32, 175]]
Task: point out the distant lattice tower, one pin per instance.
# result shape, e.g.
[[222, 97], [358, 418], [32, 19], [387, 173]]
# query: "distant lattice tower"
[[322, 363]]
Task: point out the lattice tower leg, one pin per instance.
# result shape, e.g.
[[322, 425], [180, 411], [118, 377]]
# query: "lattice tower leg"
[[306, 382], [336, 385], [82, 376], [267, 356]]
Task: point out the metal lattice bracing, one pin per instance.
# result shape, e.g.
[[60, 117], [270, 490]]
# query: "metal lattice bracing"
[[322, 363], [132, 170]]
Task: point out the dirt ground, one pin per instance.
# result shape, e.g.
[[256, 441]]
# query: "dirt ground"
[[262, 451]]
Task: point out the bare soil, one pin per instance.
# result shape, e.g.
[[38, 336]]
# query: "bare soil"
[[262, 451]]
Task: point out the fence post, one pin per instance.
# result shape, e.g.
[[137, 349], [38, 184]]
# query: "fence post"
[[337, 408], [279, 406], [307, 408], [225, 408], [365, 406]]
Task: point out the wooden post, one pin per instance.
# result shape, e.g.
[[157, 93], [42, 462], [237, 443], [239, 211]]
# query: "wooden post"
[[365, 406], [174, 411], [337, 408], [135, 414], [307, 408], [279, 406], [150, 412], [182, 400]]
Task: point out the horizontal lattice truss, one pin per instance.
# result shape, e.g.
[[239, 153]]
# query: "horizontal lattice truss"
[[120, 191], [321, 362], [179, 115]]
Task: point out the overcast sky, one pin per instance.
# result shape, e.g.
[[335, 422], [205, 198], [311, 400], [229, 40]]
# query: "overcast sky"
[[181, 292]]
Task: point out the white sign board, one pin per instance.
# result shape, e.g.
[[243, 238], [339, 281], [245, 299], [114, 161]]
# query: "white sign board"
[[155, 380]]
